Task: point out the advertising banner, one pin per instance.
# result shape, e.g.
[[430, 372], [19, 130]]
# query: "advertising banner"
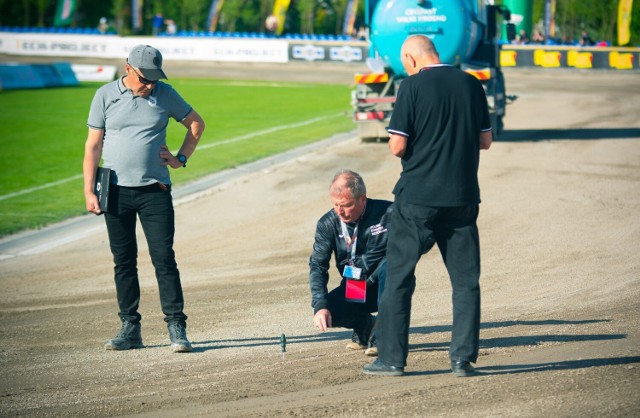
[[214, 14], [172, 48], [350, 17], [280, 8], [64, 12], [136, 14], [624, 21]]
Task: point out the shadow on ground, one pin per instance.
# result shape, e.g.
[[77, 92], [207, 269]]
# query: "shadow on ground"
[[523, 135]]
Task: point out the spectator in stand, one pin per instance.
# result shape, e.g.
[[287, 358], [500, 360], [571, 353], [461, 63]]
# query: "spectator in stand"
[[103, 26], [537, 37], [585, 39], [522, 38], [158, 22], [362, 34], [171, 27]]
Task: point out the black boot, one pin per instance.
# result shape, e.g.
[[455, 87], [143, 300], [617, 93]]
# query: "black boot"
[[129, 336], [178, 337], [380, 369], [461, 368]]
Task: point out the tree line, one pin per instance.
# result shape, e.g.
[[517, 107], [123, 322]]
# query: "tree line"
[[598, 18], [303, 16], [572, 17]]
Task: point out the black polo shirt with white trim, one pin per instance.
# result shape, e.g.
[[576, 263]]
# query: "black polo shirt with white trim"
[[441, 110]]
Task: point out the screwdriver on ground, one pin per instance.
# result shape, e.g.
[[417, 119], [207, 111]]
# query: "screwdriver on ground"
[[283, 345]]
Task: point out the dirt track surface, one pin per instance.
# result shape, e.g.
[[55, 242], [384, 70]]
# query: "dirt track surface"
[[560, 237]]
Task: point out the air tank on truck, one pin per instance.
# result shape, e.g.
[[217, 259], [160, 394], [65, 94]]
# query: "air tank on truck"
[[465, 33]]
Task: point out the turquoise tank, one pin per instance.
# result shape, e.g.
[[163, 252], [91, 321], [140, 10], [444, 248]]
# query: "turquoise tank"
[[455, 26]]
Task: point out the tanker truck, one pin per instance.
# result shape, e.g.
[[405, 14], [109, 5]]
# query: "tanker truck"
[[465, 33]]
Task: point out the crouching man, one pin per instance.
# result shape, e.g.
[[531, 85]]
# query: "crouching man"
[[355, 233]]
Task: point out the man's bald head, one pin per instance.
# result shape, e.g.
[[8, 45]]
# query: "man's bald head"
[[418, 51]]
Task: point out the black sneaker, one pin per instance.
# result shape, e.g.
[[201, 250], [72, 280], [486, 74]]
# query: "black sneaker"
[[378, 368], [129, 337], [462, 369], [178, 337]]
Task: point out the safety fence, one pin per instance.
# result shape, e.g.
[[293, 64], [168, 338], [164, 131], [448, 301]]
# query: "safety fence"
[[280, 50], [547, 56]]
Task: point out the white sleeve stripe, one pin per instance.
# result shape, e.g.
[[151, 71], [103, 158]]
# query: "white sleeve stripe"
[[393, 131]]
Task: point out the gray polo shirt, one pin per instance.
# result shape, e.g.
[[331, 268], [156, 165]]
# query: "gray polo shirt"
[[134, 129]]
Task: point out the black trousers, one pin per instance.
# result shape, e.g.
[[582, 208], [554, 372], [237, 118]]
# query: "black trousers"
[[412, 232], [154, 207], [350, 315]]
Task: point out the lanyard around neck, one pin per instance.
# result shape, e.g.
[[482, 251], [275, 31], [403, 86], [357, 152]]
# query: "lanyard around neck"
[[351, 241]]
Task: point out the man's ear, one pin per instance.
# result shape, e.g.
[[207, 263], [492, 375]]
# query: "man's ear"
[[411, 61]]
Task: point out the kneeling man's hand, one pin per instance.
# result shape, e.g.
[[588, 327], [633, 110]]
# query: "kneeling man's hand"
[[322, 319]]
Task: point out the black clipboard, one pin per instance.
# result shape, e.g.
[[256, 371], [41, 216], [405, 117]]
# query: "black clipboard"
[[101, 187]]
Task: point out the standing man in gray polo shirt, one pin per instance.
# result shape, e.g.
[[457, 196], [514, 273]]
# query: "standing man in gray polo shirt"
[[128, 127]]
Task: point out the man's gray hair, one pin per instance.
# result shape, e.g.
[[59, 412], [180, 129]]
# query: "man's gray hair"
[[347, 180]]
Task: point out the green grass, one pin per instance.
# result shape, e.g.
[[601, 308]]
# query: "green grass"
[[42, 135]]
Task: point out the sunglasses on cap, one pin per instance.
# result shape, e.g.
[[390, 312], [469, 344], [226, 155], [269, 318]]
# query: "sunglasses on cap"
[[141, 79]]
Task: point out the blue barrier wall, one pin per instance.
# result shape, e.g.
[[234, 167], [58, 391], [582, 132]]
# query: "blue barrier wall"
[[34, 76]]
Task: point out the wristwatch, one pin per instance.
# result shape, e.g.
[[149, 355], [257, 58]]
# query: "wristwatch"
[[182, 159]]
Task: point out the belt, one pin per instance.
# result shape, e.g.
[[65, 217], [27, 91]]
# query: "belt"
[[149, 187]]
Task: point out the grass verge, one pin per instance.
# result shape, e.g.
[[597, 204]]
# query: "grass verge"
[[42, 134]]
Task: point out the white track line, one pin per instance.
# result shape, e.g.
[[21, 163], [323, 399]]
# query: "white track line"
[[267, 131], [44, 186], [201, 147]]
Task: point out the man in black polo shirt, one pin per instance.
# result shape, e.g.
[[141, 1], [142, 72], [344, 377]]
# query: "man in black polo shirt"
[[439, 125]]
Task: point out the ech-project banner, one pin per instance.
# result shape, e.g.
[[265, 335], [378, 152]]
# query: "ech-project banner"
[[224, 50]]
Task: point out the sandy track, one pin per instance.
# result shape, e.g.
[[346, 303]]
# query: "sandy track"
[[560, 245]]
